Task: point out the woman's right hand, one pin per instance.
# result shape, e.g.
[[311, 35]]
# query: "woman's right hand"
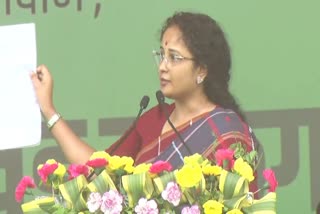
[[75, 150], [43, 85]]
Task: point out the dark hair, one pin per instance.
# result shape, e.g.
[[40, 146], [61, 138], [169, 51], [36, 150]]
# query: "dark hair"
[[207, 43]]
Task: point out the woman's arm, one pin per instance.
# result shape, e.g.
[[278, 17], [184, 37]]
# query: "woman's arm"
[[74, 149]]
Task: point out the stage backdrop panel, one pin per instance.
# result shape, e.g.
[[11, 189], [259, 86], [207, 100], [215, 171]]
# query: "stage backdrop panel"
[[100, 55]]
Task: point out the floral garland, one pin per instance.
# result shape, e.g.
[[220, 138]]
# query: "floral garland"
[[112, 184]]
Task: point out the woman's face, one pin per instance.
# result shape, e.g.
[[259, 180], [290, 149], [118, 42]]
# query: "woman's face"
[[177, 72]]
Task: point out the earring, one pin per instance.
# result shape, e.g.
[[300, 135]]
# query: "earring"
[[199, 80]]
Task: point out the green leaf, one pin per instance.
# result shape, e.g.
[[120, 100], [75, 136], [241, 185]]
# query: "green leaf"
[[137, 186], [97, 171], [234, 185], [38, 205], [161, 182], [102, 183], [72, 193], [234, 202], [56, 209], [52, 178], [120, 172], [265, 204], [225, 163]]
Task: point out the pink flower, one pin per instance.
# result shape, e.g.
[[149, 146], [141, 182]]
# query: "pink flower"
[[94, 202], [269, 175], [146, 207], [46, 170], [97, 163], [172, 193], [111, 202], [191, 210], [25, 182], [75, 170], [160, 166], [222, 155]]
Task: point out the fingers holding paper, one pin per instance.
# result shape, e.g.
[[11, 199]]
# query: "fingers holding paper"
[[43, 85]]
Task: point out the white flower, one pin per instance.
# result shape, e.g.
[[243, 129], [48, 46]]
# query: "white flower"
[[111, 202], [172, 193], [191, 210], [94, 201], [146, 207]]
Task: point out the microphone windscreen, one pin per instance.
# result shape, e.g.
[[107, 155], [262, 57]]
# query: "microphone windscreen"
[[144, 102], [160, 97]]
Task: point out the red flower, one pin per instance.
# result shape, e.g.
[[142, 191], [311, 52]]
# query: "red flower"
[[75, 170], [25, 182], [97, 163], [269, 175], [160, 166], [46, 170], [222, 155]]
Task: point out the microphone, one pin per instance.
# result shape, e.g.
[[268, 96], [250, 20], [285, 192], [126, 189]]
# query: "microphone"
[[143, 105], [160, 98]]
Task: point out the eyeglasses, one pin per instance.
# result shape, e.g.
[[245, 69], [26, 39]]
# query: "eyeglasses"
[[172, 58]]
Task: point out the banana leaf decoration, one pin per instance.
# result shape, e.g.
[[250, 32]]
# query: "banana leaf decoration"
[[232, 185], [265, 205], [162, 181], [237, 202], [102, 183], [38, 206], [72, 193], [137, 186]]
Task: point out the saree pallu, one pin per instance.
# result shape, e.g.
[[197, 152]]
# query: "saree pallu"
[[208, 132]]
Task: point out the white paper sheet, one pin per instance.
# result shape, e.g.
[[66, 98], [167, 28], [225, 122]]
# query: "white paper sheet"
[[20, 117]]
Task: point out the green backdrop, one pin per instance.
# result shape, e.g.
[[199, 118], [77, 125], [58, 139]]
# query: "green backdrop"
[[99, 53]]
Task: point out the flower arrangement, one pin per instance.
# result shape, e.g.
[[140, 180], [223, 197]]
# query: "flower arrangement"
[[112, 184]]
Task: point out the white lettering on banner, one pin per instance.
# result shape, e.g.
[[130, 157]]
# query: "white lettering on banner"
[[34, 5]]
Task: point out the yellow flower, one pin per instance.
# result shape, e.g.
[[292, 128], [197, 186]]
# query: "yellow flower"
[[39, 166], [244, 169], [205, 162], [195, 159], [129, 168], [116, 162], [99, 154], [211, 170], [212, 207], [141, 168], [51, 161], [60, 171], [234, 211], [189, 175], [128, 164]]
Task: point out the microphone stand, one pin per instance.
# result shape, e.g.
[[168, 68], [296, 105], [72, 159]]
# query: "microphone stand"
[[143, 105], [161, 102]]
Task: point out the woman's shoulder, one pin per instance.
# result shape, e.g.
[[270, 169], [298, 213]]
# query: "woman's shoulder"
[[226, 114], [229, 128], [227, 120]]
